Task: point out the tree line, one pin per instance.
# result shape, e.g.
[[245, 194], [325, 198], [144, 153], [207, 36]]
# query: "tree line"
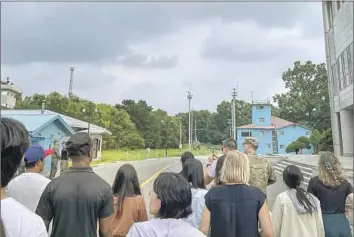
[[136, 124]]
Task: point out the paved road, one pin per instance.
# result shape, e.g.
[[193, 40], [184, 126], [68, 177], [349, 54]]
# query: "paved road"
[[147, 171]]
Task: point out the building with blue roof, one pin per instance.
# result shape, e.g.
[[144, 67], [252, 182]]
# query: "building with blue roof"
[[43, 129], [273, 134]]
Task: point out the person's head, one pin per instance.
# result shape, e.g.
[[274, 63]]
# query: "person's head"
[[34, 159], [194, 173], [228, 145], [56, 142], [236, 168], [250, 145], [79, 148], [218, 168], [126, 184], [171, 197], [330, 170], [293, 177], [14, 143], [186, 156]]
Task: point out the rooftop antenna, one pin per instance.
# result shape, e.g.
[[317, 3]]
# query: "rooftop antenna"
[[71, 81], [252, 96]]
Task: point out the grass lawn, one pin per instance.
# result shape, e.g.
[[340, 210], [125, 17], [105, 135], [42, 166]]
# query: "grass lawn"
[[110, 156]]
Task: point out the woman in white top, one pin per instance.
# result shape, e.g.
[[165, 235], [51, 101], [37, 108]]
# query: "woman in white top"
[[193, 172], [296, 213], [16, 219]]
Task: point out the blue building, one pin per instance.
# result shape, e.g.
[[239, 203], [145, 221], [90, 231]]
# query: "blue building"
[[274, 134], [43, 129]]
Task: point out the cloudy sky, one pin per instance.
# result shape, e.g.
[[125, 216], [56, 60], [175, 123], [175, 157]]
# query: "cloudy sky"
[[158, 51]]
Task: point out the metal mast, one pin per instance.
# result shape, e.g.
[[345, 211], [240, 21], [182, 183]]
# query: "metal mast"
[[71, 81], [189, 97], [233, 109]]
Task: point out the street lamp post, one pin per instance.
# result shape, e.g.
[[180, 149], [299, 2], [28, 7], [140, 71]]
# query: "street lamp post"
[[90, 112], [189, 97]]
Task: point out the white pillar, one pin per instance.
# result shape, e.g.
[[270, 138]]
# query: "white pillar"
[[346, 122], [99, 151]]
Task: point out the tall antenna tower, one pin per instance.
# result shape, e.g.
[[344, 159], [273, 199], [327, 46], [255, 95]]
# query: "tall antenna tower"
[[233, 113], [71, 81], [189, 97]]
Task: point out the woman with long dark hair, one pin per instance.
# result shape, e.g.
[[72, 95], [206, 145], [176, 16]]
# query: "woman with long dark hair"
[[333, 191], [193, 172], [296, 207], [170, 204], [16, 219], [129, 204]]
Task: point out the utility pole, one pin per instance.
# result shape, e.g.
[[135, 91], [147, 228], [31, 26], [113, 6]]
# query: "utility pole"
[[234, 95], [189, 97], [195, 130], [71, 81], [252, 96], [180, 134]]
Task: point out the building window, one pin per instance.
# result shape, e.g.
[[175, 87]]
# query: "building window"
[[260, 107], [246, 134], [261, 133], [261, 120], [281, 132], [268, 146], [308, 133], [282, 146]]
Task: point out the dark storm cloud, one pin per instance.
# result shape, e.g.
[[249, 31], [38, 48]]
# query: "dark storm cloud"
[[99, 32]]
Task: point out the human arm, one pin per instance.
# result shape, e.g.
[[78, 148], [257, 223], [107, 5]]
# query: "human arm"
[[209, 173], [105, 214], [265, 221], [272, 178], [311, 187], [205, 224], [142, 215], [45, 207], [277, 216]]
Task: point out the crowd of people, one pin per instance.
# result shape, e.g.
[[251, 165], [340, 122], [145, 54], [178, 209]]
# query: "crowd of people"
[[79, 203]]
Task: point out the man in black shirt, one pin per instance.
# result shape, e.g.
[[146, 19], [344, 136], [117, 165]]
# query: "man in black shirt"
[[64, 160], [78, 198]]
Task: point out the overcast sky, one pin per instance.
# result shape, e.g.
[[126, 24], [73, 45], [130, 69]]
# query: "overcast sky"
[[158, 51]]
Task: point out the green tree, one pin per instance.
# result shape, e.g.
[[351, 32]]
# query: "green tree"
[[306, 101], [315, 140], [326, 142]]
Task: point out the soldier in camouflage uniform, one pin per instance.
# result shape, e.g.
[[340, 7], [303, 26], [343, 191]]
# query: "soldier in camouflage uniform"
[[64, 159], [55, 159], [262, 172]]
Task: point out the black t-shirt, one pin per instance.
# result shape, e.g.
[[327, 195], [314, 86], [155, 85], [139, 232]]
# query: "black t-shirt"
[[332, 199], [234, 210], [75, 201]]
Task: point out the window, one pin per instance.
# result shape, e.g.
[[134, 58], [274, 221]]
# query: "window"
[[261, 120], [308, 133], [261, 133], [268, 145], [260, 107], [246, 134], [281, 132], [282, 146]]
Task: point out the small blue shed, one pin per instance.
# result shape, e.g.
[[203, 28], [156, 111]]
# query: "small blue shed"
[[43, 129]]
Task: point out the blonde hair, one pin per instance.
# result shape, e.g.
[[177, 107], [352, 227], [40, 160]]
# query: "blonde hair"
[[330, 170], [236, 168]]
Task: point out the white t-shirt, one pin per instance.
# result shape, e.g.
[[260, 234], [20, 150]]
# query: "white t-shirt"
[[27, 189], [19, 221]]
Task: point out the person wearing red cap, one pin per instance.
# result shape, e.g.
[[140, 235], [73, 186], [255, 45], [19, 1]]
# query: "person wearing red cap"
[[28, 187]]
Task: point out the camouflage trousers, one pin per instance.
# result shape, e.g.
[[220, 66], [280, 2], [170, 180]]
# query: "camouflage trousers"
[[63, 166], [53, 167]]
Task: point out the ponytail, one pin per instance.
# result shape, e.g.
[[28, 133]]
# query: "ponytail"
[[303, 199]]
